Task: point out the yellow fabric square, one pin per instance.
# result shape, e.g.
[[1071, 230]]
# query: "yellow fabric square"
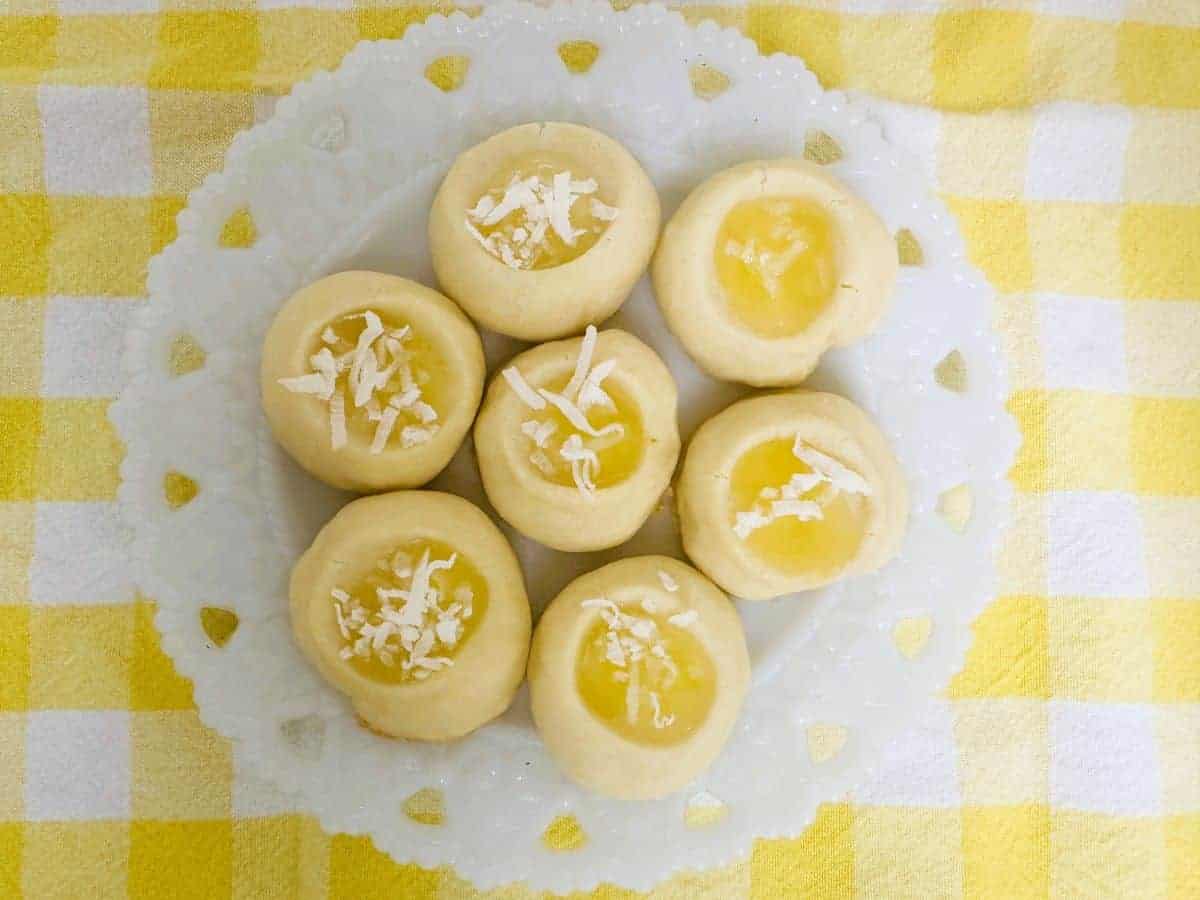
[[1159, 158], [1183, 856], [1087, 441], [1030, 471], [1084, 847], [981, 59], [1171, 538], [26, 47], [181, 769], [813, 35], [1021, 560], [298, 42], [180, 860], [997, 239], [984, 156], [1159, 65], [21, 361], [70, 860], [155, 683], [1073, 58], [1017, 323], [377, 20], [890, 55], [907, 851], [818, 865], [357, 869], [266, 857], [12, 845], [1166, 445], [25, 233], [1176, 632], [80, 656], [14, 658], [1177, 734], [1008, 772], [1160, 347], [163, 210], [1010, 653], [1006, 852], [101, 245], [1100, 650], [21, 161], [16, 551], [1160, 252], [80, 454], [20, 435], [726, 16], [1076, 247], [190, 132], [12, 766], [207, 51], [104, 50]]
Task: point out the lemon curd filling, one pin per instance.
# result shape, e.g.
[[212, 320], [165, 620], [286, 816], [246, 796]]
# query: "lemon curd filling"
[[796, 508], [582, 430], [539, 211], [617, 452], [382, 381], [775, 263], [645, 676], [406, 619]]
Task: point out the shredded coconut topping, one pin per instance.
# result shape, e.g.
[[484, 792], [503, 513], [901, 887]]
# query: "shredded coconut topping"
[[633, 645], [529, 211], [668, 583], [579, 448], [376, 366], [771, 265], [788, 499], [413, 627]]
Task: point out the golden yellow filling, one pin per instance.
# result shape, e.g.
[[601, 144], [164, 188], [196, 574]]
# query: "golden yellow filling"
[[414, 361], [649, 681], [775, 263], [618, 454], [819, 537], [407, 618], [540, 211]]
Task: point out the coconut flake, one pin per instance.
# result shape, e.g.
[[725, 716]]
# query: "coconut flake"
[[521, 388], [685, 619], [668, 583], [839, 476]]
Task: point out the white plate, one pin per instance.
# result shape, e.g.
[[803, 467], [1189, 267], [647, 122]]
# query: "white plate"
[[342, 177]]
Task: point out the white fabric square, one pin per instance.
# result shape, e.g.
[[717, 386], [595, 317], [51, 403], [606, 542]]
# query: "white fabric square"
[[1099, 10], [1095, 544], [1103, 758], [77, 765], [84, 339], [919, 766], [1077, 152], [79, 555], [96, 140], [1178, 731], [1083, 343]]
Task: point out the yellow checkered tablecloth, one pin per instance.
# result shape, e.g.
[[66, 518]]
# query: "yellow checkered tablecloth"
[[1064, 760]]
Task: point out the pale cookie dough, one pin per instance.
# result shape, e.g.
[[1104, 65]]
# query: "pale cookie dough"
[[371, 381], [636, 674], [577, 440], [766, 265], [542, 229], [788, 492], [413, 605]]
